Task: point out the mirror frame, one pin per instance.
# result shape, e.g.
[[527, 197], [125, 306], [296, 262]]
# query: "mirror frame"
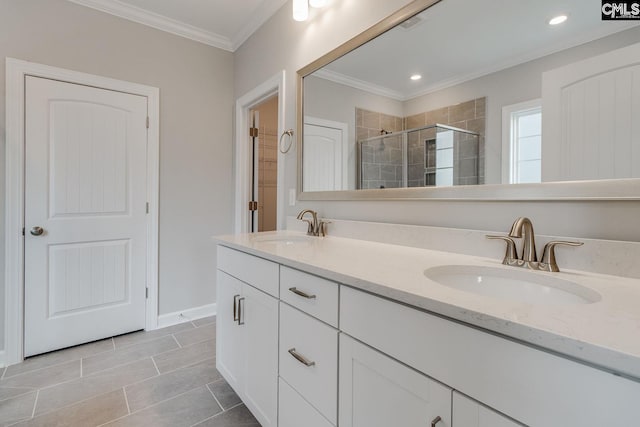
[[608, 189]]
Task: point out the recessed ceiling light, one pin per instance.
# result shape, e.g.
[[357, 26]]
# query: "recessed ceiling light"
[[318, 3], [557, 19], [416, 77]]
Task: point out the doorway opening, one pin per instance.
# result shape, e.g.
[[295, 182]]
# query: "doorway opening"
[[264, 188], [260, 166]]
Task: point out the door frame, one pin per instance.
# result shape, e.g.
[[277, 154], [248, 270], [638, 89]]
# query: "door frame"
[[242, 149], [16, 72]]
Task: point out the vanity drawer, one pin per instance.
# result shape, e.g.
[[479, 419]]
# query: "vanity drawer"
[[294, 411], [316, 344], [257, 272], [312, 294]]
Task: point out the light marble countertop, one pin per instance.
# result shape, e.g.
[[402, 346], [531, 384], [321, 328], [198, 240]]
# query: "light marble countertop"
[[605, 333]]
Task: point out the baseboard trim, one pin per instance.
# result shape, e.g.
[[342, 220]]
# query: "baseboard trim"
[[187, 315]]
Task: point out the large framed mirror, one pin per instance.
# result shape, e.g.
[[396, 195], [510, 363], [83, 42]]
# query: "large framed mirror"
[[490, 99]]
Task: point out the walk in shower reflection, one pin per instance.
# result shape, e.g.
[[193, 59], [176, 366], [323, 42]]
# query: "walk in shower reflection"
[[430, 156]]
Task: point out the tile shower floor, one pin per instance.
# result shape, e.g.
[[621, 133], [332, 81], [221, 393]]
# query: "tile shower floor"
[[165, 377]]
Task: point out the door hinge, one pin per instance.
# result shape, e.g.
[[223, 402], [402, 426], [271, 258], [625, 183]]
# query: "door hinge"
[[147, 207], [23, 231], [147, 122], [146, 293], [253, 132], [253, 205]]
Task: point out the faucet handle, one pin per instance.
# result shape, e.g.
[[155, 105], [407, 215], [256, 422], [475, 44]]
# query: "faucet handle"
[[549, 254], [511, 252], [322, 227]]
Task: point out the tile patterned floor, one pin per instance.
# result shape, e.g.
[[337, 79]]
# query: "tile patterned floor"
[[165, 377]]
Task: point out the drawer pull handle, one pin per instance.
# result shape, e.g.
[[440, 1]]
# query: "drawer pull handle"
[[300, 358], [301, 293], [435, 421], [240, 321], [235, 307]]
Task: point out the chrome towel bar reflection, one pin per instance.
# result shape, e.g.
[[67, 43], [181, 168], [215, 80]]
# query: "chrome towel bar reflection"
[[288, 133]]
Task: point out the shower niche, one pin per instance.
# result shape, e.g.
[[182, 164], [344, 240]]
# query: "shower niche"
[[435, 155]]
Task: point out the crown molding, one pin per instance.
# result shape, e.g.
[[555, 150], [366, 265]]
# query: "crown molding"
[[326, 74], [159, 22], [266, 10]]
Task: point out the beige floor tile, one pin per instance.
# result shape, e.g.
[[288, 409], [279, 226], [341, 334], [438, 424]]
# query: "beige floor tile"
[[11, 392], [224, 394], [91, 412], [196, 335], [16, 409], [166, 386], [184, 410], [60, 356], [204, 321], [102, 382], [128, 354], [235, 417], [185, 356], [45, 377], [146, 336]]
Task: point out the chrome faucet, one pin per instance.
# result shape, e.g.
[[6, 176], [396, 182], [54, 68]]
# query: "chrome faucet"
[[523, 228], [315, 227]]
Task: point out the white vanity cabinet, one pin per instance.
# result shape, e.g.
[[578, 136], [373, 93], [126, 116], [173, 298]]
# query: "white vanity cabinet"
[[302, 350], [377, 391], [531, 386], [469, 413], [247, 331]]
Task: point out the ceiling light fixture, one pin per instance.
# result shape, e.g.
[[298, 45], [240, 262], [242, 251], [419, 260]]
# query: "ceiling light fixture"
[[300, 10], [416, 77], [556, 20]]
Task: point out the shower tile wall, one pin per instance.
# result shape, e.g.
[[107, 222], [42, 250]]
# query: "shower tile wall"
[[371, 123], [468, 115], [267, 164], [382, 164], [267, 178], [381, 161]]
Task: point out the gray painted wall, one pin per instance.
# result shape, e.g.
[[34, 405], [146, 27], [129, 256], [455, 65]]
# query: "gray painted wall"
[[196, 100], [284, 44]]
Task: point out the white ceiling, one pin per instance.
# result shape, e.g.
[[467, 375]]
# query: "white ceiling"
[[225, 24], [458, 40]]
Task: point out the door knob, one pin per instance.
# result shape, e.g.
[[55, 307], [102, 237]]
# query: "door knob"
[[36, 231]]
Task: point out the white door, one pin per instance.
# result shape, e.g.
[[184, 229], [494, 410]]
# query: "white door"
[[377, 391], [85, 188], [325, 156], [590, 113]]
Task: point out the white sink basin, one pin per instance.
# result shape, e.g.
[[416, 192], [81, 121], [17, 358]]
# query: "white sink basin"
[[284, 239], [512, 284]]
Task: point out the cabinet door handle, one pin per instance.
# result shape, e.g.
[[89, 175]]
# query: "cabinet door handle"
[[240, 321], [300, 358], [301, 293], [235, 307], [435, 421]]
